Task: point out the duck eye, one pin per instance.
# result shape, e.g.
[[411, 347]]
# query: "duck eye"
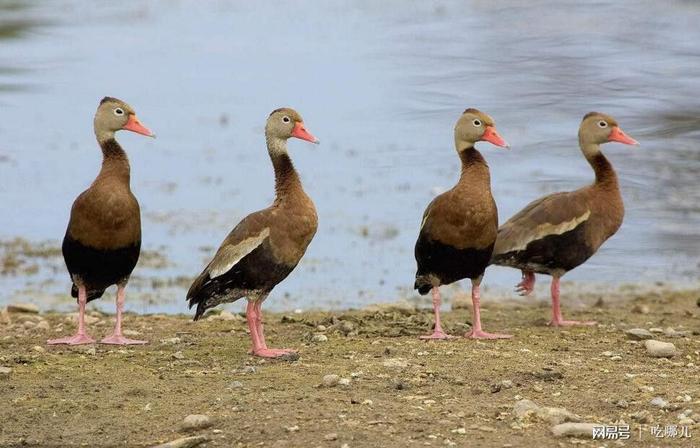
[[476, 122], [119, 111], [602, 124], [286, 119]]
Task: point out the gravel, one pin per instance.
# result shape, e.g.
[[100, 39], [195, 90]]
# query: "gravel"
[[659, 402], [194, 422]]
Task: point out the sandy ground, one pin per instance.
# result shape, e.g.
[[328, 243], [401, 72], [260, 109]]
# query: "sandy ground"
[[391, 389]]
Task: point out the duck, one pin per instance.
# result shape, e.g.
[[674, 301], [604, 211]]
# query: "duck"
[[102, 243], [458, 230], [266, 246], [558, 232]]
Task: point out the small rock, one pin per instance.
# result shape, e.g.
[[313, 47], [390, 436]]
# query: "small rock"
[[524, 407], [658, 349], [148, 407], [656, 330], [639, 334], [29, 308], [185, 442], [170, 341], [92, 351], [685, 421], [178, 355], [321, 328], [294, 428], [641, 309], [330, 436], [608, 354], [659, 402], [487, 429], [616, 358], [556, 416], [196, 421], [331, 380], [249, 369], [622, 404], [347, 327], [459, 431], [227, 315], [38, 349], [367, 402], [672, 333], [235, 385], [319, 338], [130, 332], [43, 325], [574, 430], [507, 384], [345, 382], [5, 372], [643, 417]]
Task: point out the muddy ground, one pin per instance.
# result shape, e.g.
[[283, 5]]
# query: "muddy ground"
[[392, 389]]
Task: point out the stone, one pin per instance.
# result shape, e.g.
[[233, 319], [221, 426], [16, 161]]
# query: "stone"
[[5, 372], [641, 309], [395, 362], [29, 308], [556, 416], [345, 382], [659, 402], [319, 338], [639, 334], [38, 349], [235, 385], [331, 380], [194, 422], [330, 436], [622, 404], [43, 326], [178, 355], [170, 341], [524, 407], [185, 442], [574, 430], [659, 349]]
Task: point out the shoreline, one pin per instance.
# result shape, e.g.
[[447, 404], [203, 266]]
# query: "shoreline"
[[386, 387]]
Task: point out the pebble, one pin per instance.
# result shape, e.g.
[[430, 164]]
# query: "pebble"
[[641, 309], [659, 402], [659, 349], [235, 385], [330, 436], [294, 428], [524, 407], [23, 308], [347, 327], [671, 333], [5, 371], [178, 355], [130, 332], [507, 384], [170, 341], [639, 334], [656, 330], [616, 358], [321, 328], [622, 404], [574, 430], [92, 351], [331, 380], [459, 431], [43, 325], [196, 421], [319, 338], [249, 369], [345, 382], [185, 442], [642, 417], [38, 349], [685, 421]]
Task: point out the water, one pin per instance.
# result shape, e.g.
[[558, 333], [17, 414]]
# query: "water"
[[381, 84]]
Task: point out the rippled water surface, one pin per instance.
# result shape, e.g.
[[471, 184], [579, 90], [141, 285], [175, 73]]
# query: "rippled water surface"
[[381, 84]]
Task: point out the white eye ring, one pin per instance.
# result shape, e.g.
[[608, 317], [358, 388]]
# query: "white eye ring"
[[602, 124], [119, 111], [476, 122], [286, 119]]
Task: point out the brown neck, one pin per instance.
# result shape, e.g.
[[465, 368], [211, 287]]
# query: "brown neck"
[[605, 175], [474, 166], [114, 161], [287, 181]]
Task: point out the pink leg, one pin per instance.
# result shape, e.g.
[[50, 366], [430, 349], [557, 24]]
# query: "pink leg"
[[476, 331], [527, 284], [557, 319], [81, 336], [254, 318], [117, 338], [438, 333]]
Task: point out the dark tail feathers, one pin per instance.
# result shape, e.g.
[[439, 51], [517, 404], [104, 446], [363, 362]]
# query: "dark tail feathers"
[[423, 285], [91, 294]]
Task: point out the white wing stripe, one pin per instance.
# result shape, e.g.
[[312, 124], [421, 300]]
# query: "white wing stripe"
[[230, 256], [547, 229]]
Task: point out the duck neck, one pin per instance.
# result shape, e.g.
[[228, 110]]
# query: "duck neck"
[[287, 182], [114, 160], [605, 175], [474, 165]]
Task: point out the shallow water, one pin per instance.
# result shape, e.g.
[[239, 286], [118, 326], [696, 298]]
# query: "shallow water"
[[381, 84]]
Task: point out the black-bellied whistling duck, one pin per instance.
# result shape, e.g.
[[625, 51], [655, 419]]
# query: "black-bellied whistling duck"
[[103, 239], [264, 248], [459, 226], [554, 234]]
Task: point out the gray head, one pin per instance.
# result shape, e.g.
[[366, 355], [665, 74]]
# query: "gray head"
[[474, 126], [114, 115], [285, 123], [598, 128]]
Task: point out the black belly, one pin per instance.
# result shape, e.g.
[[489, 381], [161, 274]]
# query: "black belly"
[[257, 273], [448, 263], [553, 254], [97, 269]]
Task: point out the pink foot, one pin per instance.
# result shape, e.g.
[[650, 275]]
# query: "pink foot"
[[275, 353], [439, 335], [77, 339], [527, 285], [484, 335], [121, 340], [571, 323]]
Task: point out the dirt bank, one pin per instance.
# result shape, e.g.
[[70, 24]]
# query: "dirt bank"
[[392, 389]]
